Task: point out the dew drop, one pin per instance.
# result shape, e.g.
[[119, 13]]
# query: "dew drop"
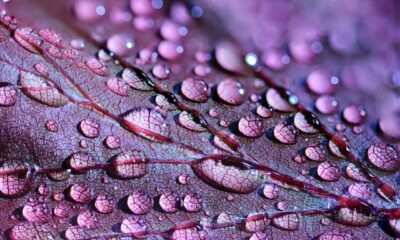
[[169, 30], [354, 114], [35, 211], [264, 112], [271, 191], [169, 50], [212, 112], [55, 52], [224, 217], [28, 231], [148, 123], [141, 7], [112, 142], [256, 222], [217, 142], [79, 192], [233, 178], [168, 202], [87, 219], [8, 94], [43, 189], [229, 57], [76, 233], [315, 153], [334, 148], [14, 185], [129, 164], [104, 203], [355, 173], [360, 190], [80, 162], [319, 82], [186, 120], [275, 59], [183, 179], [383, 157], [161, 71], [120, 44], [201, 70], [281, 205], [251, 126], [285, 133], [303, 124], [326, 104], [279, 101], [195, 89], [28, 39], [286, 221], [77, 44], [136, 79], [259, 236], [231, 91], [89, 128], [191, 202], [41, 68], [117, 86], [189, 233], [97, 67], [389, 126], [394, 223], [133, 225], [335, 235], [62, 210], [51, 36], [328, 172], [41, 90], [353, 217], [60, 176], [140, 202]]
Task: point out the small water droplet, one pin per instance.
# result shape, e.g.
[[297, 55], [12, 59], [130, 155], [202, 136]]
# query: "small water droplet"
[[120, 44], [136, 79], [280, 101], [354, 114], [140, 202], [287, 221], [271, 191], [117, 86], [112, 142], [192, 202], [35, 211], [14, 185], [326, 104], [335, 234], [256, 222], [183, 179], [133, 225], [319, 82], [195, 89], [306, 123], [186, 120], [75, 232], [62, 210], [28, 39], [51, 36], [315, 153], [264, 112], [97, 67], [129, 164], [41, 68], [89, 128], [229, 57], [170, 50]]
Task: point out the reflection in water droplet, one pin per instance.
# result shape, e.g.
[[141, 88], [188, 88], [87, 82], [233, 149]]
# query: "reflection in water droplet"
[[75, 233], [229, 57], [79, 192], [135, 79], [161, 71], [192, 202], [51, 36], [315, 153], [117, 86], [326, 104], [169, 50], [87, 219], [14, 185], [112, 142], [353, 217], [27, 230], [271, 191], [328, 172], [320, 82], [35, 211], [280, 102]]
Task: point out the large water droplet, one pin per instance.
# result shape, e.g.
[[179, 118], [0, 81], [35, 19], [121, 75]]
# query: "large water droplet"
[[354, 114], [148, 123], [328, 172], [76, 233], [117, 86], [353, 217], [89, 128], [35, 211], [8, 94], [133, 225], [251, 126], [321, 82], [140, 202], [231, 91], [303, 124], [168, 202], [286, 221], [104, 203], [14, 185], [129, 164], [354, 173], [41, 90], [87, 219], [264, 112], [229, 177], [192, 202], [195, 89], [384, 157], [28, 39], [28, 231], [97, 67], [80, 193], [285, 133]]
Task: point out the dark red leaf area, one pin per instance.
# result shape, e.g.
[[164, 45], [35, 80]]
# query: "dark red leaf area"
[[198, 120]]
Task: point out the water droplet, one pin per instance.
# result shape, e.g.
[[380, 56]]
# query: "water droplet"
[[212, 112], [285, 133], [229, 57], [14, 185], [353, 217], [319, 82], [43, 189], [35, 211], [201, 70], [133, 225], [62, 175], [117, 86], [8, 94], [231, 91], [129, 164], [394, 223], [360, 190], [112, 142], [389, 126], [230, 177], [104, 203], [183, 179], [271, 191], [62, 210], [51, 36], [192, 202], [89, 128], [161, 71], [276, 59], [79, 192], [281, 205], [120, 44], [279, 101], [169, 50], [301, 50], [186, 120], [41, 90], [217, 142], [27, 230], [135, 78], [384, 157], [41, 68], [354, 114], [357, 130], [80, 162], [88, 10], [251, 126], [328, 172], [75, 232], [189, 233], [195, 89], [326, 104], [140, 202], [148, 123], [77, 44], [259, 236], [303, 124], [315, 153], [97, 67], [169, 30], [335, 234], [55, 52], [87, 219], [286, 221], [256, 222], [168, 202], [355, 173], [264, 112], [28, 39], [141, 7]]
